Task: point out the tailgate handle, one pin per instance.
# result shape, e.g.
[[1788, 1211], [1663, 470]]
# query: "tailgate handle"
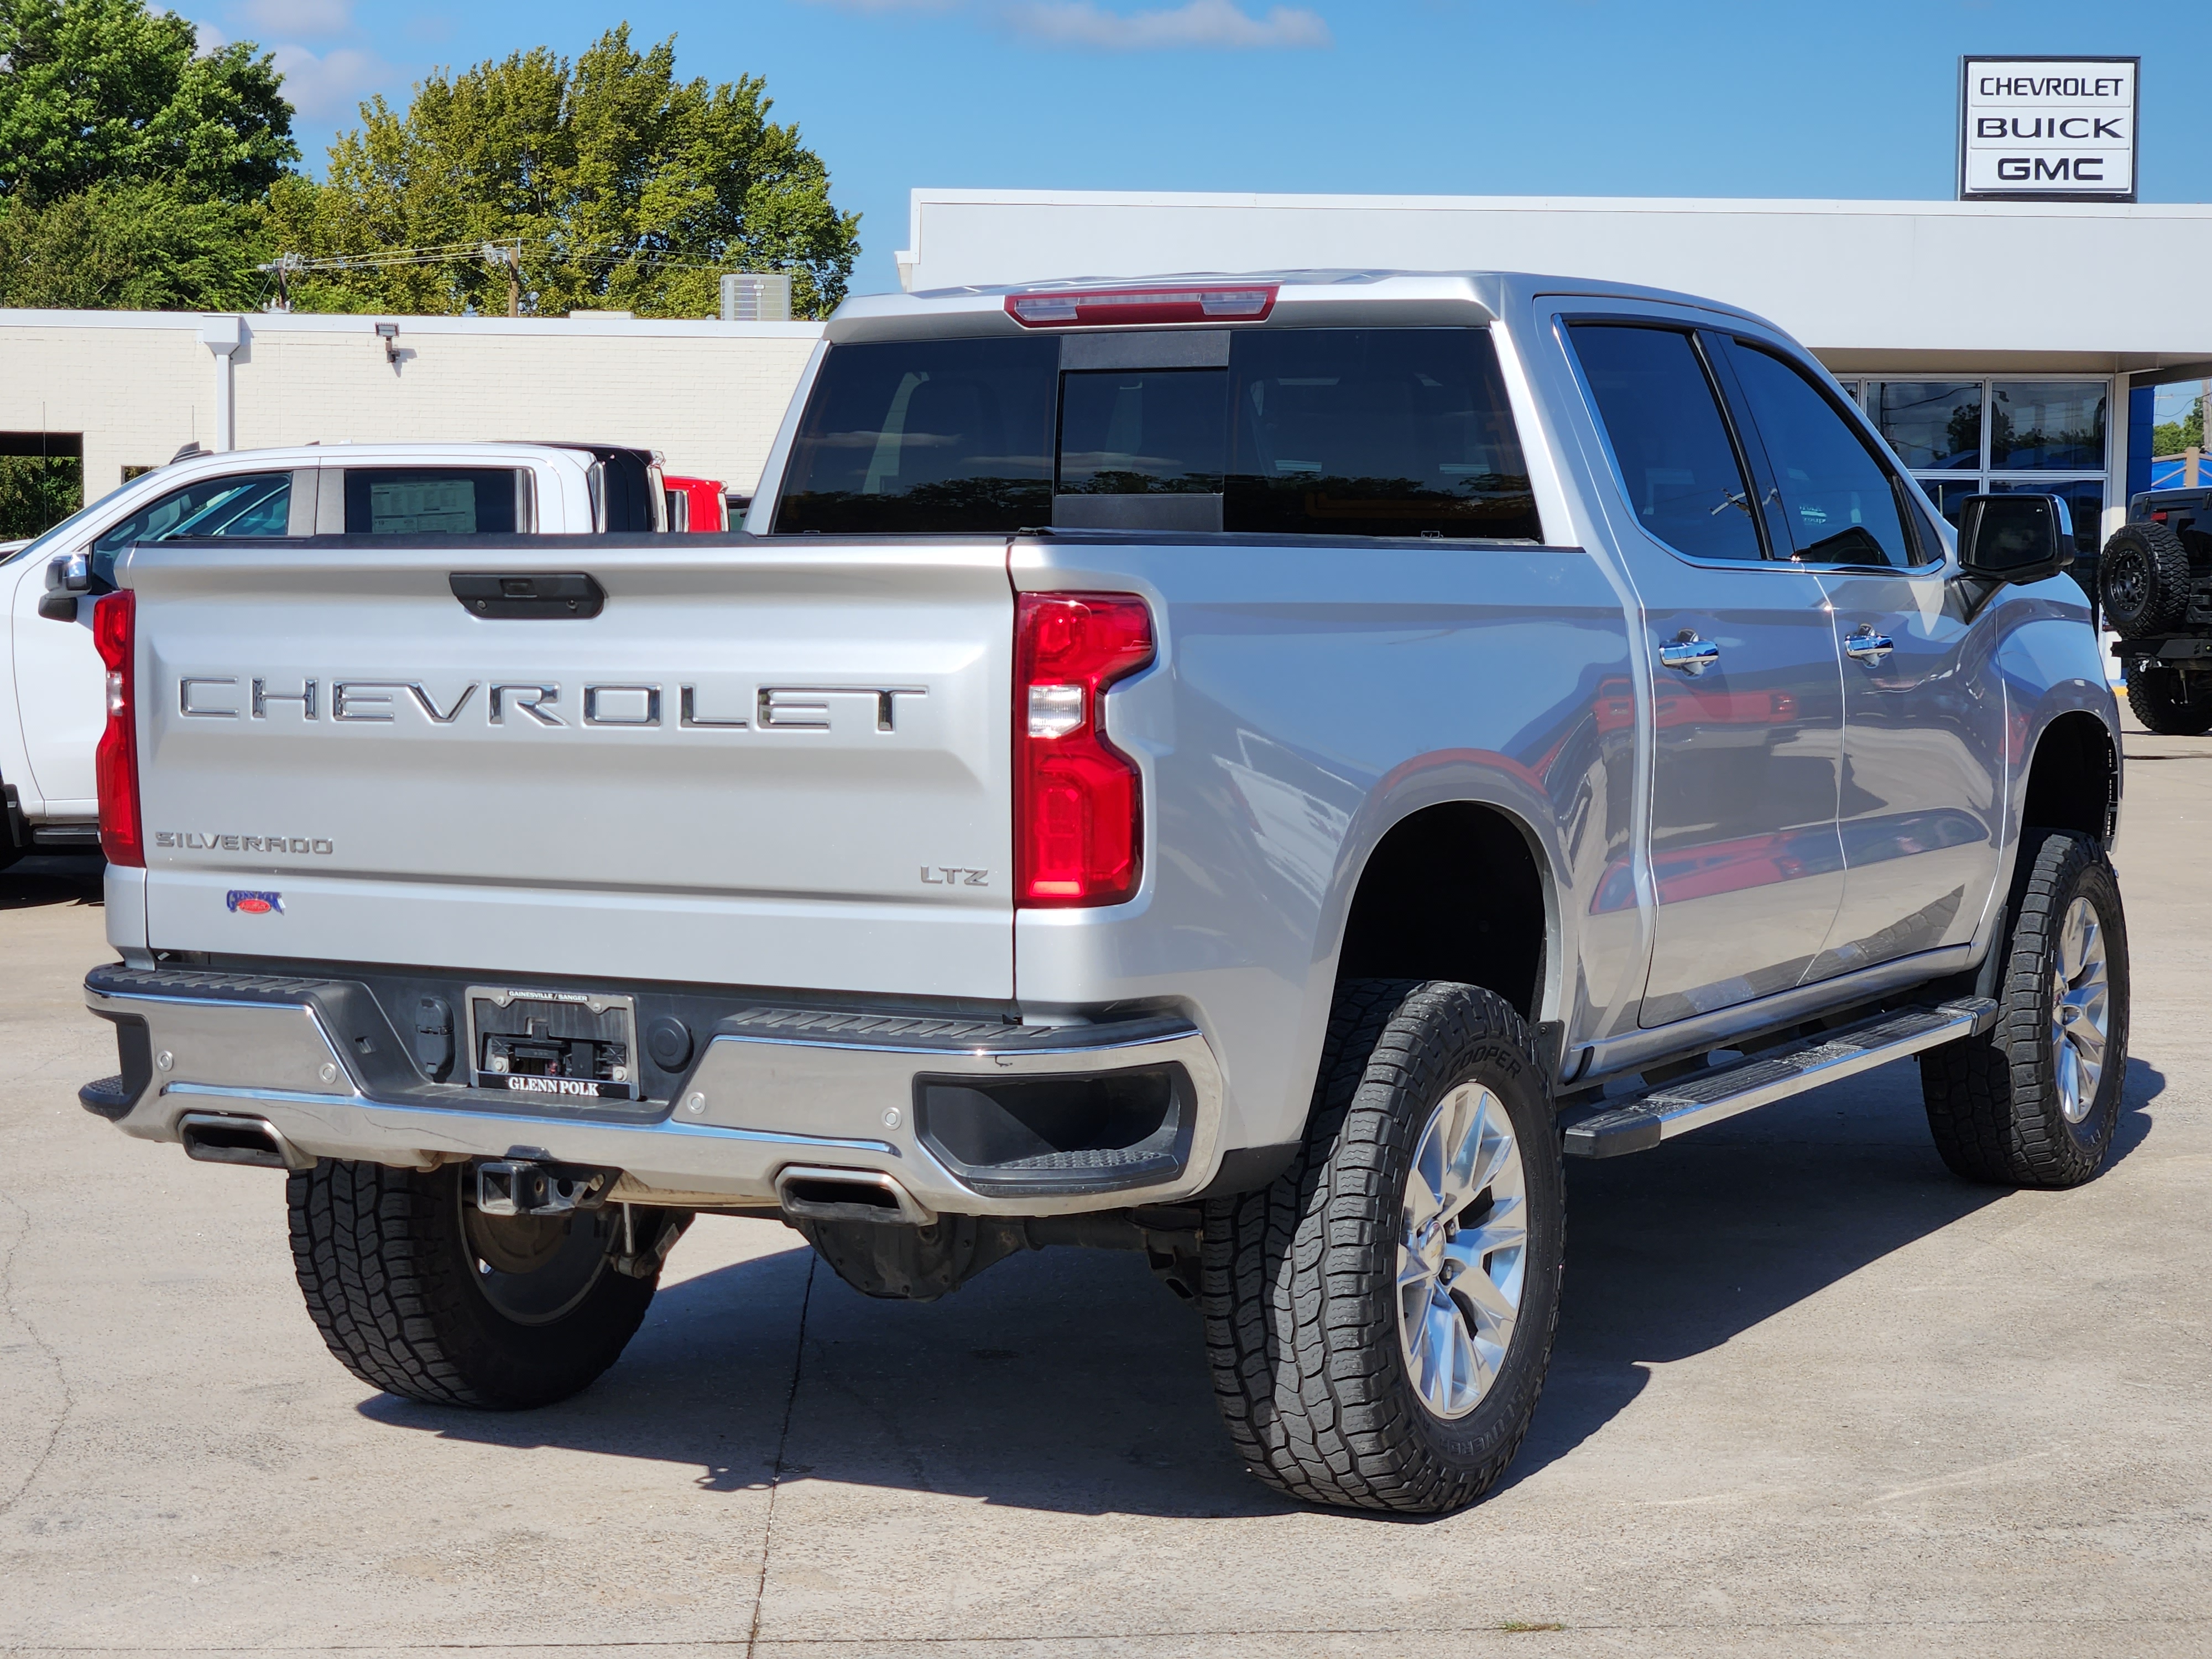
[[528, 593]]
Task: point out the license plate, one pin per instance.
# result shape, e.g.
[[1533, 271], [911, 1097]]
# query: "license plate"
[[553, 1045]]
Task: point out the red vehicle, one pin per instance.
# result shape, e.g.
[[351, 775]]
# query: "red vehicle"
[[694, 506]]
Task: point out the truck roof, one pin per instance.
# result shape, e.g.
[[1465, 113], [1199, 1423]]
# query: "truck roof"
[[1300, 298]]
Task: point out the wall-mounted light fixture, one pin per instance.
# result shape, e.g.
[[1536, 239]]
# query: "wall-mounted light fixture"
[[389, 334]]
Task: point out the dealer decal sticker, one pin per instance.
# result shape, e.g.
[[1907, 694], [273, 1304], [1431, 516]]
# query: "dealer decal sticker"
[[254, 904]]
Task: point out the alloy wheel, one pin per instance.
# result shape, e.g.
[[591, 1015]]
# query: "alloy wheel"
[[1463, 1251], [2080, 1010]]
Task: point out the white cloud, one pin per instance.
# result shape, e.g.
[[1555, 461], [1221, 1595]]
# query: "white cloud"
[[881, 7], [297, 19], [1207, 24], [333, 84], [208, 40]]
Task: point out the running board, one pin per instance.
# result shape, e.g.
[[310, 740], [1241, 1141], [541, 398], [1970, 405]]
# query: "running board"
[[1640, 1123]]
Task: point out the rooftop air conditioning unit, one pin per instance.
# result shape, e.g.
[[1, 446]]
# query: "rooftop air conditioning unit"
[[756, 297]]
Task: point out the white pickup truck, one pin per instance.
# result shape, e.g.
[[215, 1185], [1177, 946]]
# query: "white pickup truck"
[[51, 706]]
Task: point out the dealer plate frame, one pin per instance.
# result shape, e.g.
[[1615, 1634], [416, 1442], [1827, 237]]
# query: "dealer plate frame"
[[554, 1091]]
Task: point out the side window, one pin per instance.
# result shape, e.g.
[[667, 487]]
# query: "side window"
[[913, 436], [431, 500], [1840, 502], [1374, 432], [241, 504], [1663, 421]]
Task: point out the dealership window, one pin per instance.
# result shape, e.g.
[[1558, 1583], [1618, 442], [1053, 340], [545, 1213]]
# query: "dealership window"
[[1998, 435]]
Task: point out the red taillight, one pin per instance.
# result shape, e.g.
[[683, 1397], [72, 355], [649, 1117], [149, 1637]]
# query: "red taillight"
[[1242, 302], [1077, 835], [116, 765]]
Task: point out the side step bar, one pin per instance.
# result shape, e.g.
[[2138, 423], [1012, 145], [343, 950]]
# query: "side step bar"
[[1640, 1123]]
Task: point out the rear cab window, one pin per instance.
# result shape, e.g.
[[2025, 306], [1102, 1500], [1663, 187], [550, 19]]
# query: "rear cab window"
[[434, 501], [1313, 431], [921, 435]]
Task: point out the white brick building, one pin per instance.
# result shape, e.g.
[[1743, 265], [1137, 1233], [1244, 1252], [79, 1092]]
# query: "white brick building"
[[132, 387]]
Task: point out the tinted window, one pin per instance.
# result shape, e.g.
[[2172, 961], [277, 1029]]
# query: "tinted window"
[[2085, 505], [1838, 501], [1933, 425], [257, 504], [1127, 432], [2051, 423], [1374, 432], [1950, 496], [1673, 449], [926, 436], [430, 500]]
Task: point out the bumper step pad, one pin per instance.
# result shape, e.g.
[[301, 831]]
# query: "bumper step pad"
[[1642, 1122]]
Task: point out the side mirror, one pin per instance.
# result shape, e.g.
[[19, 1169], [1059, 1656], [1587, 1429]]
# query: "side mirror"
[[2014, 539], [69, 578]]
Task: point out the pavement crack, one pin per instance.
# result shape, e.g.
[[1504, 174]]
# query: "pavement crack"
[[16, 1316], [783, 1436]]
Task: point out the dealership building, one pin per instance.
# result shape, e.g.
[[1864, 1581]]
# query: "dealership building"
[[1999, 344]]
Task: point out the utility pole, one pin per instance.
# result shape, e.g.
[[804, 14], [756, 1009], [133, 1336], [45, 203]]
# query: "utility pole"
[[509, 255], [282, 268]]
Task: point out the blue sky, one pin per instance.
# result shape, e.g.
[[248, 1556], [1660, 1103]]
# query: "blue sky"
[[1572, 97]]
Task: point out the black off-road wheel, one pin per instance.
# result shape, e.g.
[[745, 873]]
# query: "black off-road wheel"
[[420, 1294], [2168, 702], [1379, 1319], [2144, 576], [2034, 1102]]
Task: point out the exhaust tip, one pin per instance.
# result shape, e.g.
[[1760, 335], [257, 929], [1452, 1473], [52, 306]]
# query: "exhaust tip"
[[823, 1194], [212, 1138]]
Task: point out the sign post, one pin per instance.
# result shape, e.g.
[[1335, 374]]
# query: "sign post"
[[2047, 128]]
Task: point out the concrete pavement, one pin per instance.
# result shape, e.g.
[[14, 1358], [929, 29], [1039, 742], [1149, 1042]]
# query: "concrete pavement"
[[1811, 1395]]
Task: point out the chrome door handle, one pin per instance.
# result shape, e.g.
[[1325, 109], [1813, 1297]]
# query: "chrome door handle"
[[1866, 646], [1689, 654]]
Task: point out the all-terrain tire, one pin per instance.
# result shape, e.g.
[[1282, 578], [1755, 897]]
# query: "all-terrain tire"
[[2144, 576], [398, 1286], [1996, 1103], [2161, 699], [1299, 1280]]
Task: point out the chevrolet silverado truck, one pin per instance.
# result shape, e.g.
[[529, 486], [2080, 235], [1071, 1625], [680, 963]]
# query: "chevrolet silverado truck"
[[52, 709], [1251, 770]]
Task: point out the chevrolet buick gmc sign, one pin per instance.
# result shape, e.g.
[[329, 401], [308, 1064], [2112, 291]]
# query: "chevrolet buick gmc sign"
[[2047, 128]]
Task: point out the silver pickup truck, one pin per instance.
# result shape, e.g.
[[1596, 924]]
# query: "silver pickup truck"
[[1252, 770]]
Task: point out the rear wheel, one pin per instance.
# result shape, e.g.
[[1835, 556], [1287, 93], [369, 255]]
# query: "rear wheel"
[[421, 1294], [2035, 1102], [2168, 702], [1380, 1318], [2144, 575]]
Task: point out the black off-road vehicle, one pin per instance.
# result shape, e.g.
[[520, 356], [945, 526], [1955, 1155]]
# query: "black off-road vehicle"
[[2154, 580]]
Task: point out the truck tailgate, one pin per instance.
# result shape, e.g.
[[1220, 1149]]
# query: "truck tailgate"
[[781, 764]]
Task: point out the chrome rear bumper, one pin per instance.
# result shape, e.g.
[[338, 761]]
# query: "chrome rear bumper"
[[770, 1088]]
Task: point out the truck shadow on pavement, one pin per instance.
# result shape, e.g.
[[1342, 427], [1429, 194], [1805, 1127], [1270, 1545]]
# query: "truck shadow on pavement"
[[1070, 1382], [30, 883]]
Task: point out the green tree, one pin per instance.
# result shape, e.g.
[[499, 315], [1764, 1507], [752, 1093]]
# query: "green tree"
[[622, 188], [106, 91], [132, 171], [2171, 437], [130, 247], [36, 495]]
